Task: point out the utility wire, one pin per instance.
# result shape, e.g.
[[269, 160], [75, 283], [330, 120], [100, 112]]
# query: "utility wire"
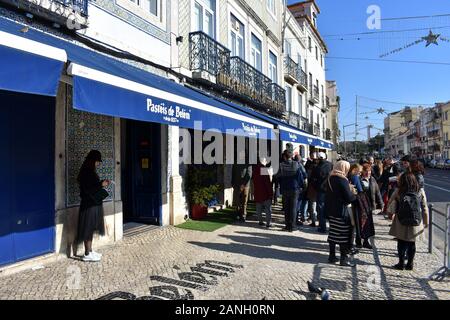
[[390, 60], [417, 17], [397, 102], [384, 31]]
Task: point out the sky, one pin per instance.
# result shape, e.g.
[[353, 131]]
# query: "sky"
[[402, 83]]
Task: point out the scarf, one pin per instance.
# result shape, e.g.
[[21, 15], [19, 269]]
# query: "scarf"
[[341, 169]]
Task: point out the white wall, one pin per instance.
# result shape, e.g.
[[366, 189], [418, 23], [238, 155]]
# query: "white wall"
[[118, 33]]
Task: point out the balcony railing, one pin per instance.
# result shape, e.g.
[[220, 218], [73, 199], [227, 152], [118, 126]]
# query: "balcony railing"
[[290, 69], [309, 127], [210, 61], [316, 129], [302, 79], [80, 6], [314, 95], [70, 13], [277, 97], [294, 119], [208, 55]]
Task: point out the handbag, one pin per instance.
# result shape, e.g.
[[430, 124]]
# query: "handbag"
[[347, 212], [100, 195]]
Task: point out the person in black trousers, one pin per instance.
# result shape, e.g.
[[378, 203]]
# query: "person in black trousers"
[[92, 193]]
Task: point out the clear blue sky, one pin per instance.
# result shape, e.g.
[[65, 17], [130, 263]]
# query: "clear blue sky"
[[396, 82]]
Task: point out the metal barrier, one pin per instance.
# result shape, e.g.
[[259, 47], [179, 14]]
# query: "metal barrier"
[[442, 272]]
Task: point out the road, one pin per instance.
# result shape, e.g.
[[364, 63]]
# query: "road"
[[437, 188]]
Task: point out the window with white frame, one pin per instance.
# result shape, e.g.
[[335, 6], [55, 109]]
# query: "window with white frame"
[[148, 6], [271, 6], [237, 37], [256, 53], [299, 60], [288, 98], [204, 16], [273, 67]]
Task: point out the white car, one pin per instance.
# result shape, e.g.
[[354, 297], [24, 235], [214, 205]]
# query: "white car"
[[440, 164], [447, 164], [432, 163]]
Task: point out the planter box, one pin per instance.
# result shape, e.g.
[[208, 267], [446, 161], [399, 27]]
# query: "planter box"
[[198, 212]]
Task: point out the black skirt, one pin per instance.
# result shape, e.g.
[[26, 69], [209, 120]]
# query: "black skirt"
[[340, 232], [90, 220]]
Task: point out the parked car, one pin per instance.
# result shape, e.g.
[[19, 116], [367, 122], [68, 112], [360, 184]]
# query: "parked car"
[[432, 163], [440, 164], [447, 164]]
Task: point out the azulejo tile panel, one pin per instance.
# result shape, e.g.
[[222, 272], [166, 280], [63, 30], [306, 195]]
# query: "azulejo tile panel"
[[86, 131], [111, 7]]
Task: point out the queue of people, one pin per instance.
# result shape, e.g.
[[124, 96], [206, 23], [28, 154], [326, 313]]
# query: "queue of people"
[[347, 196]]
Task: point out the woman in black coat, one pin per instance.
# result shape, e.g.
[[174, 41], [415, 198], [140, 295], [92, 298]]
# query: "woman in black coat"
[[374, 200], [337, 199], [92, 193]]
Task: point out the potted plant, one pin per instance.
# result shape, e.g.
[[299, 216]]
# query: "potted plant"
[[200, 190]]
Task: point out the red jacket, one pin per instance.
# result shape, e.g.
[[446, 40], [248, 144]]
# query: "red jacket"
[[261, 184]]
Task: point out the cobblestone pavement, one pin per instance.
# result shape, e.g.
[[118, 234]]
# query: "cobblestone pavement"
[[240, 261]]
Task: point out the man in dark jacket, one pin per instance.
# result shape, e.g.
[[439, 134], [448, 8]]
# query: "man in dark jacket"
[[262, 191], [291, 183], [318, 179], [242, 174]]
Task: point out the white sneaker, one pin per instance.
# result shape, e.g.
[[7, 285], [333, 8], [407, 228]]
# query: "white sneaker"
[[91, 258], [96, 254]]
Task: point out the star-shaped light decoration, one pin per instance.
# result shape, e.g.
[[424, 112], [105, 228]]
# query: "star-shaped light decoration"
[[431, 38]]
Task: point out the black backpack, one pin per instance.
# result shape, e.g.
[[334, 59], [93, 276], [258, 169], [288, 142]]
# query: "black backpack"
[[410, 209]]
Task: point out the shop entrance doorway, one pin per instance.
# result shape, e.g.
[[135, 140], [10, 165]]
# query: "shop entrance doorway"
[[141, 172]]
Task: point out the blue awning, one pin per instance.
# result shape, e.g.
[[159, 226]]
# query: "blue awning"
[[287, 132], [105, 85], [29, 66]]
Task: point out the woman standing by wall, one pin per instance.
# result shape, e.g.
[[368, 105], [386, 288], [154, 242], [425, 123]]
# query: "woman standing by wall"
[[91, 216], [337, 199], [410, 217]]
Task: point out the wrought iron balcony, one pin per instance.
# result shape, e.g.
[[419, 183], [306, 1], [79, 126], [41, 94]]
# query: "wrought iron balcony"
[[314, 95], [293, 119], [302, 80], [80, 6], [290, 70], [309, 127], [277, 97], [72, 14], [209, 60], [316, 129]]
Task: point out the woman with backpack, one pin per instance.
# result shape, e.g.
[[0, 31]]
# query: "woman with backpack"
[[410, 217]]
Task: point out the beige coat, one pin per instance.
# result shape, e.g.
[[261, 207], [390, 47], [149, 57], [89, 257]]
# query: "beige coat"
[[407, 233]]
